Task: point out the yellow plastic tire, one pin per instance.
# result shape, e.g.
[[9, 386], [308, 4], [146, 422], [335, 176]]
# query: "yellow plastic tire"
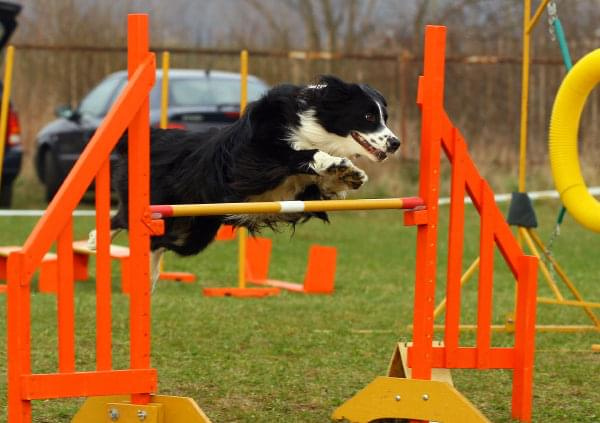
[[564, 155]]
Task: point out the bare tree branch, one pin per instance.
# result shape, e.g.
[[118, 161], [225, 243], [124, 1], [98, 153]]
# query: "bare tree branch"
[[331, 25], [309, 17], [275, 24]]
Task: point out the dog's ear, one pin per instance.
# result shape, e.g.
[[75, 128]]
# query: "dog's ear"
[[331, 88], [332, 81]]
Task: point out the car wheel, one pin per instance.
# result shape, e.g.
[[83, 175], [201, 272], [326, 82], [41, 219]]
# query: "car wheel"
[[52, 177], [6, 195]]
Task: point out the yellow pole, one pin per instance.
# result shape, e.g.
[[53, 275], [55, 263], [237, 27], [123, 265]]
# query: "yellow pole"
[[537, 15], [524, 95], [525, 235], [268, 207], [463, 280], [164, 121], [243, 232], [164, 97], [528, 25], [5, 102]]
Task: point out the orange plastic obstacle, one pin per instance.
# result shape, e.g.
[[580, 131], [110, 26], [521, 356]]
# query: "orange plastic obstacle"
[[388, 397], [137, 380], [81, 254], [48, 271], [225, 233], [240, 292], [320, 272]]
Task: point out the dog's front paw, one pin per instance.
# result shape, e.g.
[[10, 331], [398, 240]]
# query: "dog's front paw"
[[347, 173]]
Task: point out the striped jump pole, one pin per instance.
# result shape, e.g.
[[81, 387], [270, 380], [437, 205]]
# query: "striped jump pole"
[[216, 209], [275, 207]]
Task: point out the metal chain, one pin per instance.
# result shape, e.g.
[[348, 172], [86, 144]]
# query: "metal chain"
[[548, 253], [552, 16], [551, 9]]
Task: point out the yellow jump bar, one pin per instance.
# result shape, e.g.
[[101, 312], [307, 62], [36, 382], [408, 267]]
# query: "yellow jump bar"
[[215, 209]]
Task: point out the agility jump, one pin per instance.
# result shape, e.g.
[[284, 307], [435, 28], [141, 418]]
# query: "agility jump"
[[387, 397]]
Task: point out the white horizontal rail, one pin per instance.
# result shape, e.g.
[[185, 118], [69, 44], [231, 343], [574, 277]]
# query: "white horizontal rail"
[[500, 198]]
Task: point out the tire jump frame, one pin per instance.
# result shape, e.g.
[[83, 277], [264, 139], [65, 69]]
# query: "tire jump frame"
[[128, 395]]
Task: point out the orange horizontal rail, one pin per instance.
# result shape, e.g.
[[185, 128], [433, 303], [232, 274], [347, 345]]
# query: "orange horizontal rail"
[[84, 384], [215, 209], [83, 173], [467, 358]]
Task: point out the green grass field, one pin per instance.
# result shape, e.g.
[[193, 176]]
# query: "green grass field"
[[294, 358]]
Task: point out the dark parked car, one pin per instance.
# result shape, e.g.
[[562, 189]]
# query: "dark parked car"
[[13, 151], [198, 100]]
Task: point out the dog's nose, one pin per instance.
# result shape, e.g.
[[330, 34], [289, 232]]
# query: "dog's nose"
[[392, 144]]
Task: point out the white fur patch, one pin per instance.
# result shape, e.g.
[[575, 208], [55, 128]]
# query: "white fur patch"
[[310, 134], [378, 139], [323, 161]]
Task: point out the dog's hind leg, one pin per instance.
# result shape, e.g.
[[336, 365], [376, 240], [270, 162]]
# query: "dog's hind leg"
[[117, 223], [155, 259], [91, 241]]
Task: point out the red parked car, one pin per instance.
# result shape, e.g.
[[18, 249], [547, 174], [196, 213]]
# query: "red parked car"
[[13, 151]]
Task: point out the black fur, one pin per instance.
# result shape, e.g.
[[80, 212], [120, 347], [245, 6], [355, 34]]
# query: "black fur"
[[251, 157]]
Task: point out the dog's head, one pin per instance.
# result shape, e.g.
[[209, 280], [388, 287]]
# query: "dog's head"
[[345, 120]]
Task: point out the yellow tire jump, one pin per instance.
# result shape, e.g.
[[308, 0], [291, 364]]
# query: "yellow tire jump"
[[564, 126]]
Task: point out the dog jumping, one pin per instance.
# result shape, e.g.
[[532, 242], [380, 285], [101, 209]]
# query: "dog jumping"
[[294, 143]]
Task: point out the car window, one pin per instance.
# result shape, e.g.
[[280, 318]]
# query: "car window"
[[190, 92], [96, 103]]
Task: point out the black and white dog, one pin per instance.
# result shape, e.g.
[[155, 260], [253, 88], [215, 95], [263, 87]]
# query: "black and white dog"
[[295, 143]]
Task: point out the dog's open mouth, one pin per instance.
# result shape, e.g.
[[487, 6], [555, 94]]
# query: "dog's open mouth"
[[379, 155]]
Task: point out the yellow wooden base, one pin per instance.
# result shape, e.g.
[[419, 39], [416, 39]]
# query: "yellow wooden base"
[[161, 409], [399, 397], [398, 366], [396, 398]]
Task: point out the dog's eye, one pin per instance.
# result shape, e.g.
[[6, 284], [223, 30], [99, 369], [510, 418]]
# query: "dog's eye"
[[370, 117]]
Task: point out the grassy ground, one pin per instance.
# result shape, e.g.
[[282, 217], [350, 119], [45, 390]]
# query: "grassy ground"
[[295, 358]]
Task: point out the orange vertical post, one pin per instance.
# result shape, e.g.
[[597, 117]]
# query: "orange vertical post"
[[19, 339], [522, 393], [66, 300], [103, 270], [486, 274], [455, 249], [139, 205], [431, 90]]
